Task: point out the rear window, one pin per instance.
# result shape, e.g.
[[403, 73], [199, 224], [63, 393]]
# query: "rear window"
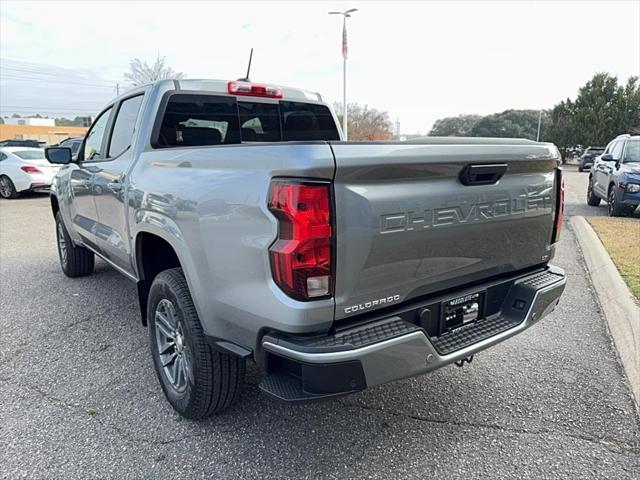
[[201, 120], [30, 154], [594, 151]]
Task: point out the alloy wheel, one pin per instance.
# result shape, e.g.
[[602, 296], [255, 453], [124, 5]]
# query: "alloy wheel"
[[172, 346], [612, 201], [62, 245], [5, 187]]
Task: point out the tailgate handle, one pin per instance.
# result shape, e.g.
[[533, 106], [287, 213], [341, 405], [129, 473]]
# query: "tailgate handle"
[[482, 174]]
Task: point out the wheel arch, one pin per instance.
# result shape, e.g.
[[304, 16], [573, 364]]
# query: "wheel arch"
[[55, 206], [153, 254]]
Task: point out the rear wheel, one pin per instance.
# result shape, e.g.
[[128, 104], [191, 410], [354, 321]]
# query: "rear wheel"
[[7, 188], [615, 209], [75, 261], [592, 199], [197, 380]]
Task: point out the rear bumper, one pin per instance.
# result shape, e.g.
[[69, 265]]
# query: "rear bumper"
[[393, 348], [39, 187]]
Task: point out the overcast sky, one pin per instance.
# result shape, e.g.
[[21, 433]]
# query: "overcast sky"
[[419, 61]]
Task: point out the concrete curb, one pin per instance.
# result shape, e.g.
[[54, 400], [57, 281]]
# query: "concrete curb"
[[618, 305]]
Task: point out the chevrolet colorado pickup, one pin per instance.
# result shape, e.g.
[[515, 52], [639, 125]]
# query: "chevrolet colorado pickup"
[[253, 231]]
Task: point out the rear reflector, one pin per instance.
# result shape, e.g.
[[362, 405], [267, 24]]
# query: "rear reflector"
[[301, 256], [557, 226], [30, 170], [254, 89]]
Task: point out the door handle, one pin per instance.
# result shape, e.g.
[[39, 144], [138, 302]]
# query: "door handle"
[[486, 174]]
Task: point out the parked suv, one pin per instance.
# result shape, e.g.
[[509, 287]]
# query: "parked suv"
[[588, 157], [615, 176]]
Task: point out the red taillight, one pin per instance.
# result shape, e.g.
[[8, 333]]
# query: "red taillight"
[[559, 205], [301, 256], [30, 170], [254, 89]]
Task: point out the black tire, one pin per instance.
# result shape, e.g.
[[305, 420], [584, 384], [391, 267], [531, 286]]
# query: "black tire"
[[580, 169], [614, 208], [212, 380], [592, 199], [76, 261], [7, 188]]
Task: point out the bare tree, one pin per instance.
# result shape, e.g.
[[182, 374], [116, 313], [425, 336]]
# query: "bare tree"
[[366, 123], [141, 72]]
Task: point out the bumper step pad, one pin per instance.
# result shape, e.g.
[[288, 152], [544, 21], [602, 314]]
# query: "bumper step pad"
[[351, 339], [472, 333]]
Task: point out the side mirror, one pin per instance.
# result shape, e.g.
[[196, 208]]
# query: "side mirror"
[[58, 155], [607, 157]]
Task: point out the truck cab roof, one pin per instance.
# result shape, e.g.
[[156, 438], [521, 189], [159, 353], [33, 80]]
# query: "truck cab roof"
[[222, 87]]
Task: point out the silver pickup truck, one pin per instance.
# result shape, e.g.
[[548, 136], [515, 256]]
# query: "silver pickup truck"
[[253, 231]]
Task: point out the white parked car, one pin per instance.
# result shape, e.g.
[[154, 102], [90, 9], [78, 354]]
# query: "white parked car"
[[24, 169]]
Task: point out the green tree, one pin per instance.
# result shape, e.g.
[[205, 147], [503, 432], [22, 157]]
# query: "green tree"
[[596, 115], [63, 122], [459, 126], [602, 110], [511, 124], [1, 121], [629, 107], [561, 129]]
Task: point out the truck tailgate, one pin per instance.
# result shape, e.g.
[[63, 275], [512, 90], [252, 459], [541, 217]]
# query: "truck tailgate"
[[407, 226]]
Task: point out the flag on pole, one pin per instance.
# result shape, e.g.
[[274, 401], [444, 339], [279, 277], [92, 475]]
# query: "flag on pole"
[[344, 40]]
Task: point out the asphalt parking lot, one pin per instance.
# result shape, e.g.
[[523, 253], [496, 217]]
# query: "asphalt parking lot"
[[79, 398]]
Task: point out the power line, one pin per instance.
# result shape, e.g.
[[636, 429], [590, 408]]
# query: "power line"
[[51, 74], [33, 79]]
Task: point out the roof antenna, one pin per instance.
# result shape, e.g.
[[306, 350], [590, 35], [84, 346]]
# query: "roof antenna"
[[246, 78]]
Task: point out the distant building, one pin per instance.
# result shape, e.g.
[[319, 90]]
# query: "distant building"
[[34, 122], [48, 134]]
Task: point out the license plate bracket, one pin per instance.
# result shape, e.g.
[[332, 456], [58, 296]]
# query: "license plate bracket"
[[462, 310]]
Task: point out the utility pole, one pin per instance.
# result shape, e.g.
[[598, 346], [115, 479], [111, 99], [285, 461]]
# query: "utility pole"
[[117, 89], [397, 129], [345, 15], [539, 123]]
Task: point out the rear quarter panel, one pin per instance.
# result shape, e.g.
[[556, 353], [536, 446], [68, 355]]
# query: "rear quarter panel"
[[212, 202]]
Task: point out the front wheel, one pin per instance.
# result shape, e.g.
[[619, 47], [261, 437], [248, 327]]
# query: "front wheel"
[[615, 208], [75, 261], [7, 188], [592, 199], [197, 380]]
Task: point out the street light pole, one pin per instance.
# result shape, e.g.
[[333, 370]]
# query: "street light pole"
[[539, 123], [344, 14]]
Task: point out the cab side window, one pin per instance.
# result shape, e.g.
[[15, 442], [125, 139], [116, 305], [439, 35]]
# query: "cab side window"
[[609, 147], [616, 152], [124, 126], [632, 152], [2, 157], [93, 143]]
